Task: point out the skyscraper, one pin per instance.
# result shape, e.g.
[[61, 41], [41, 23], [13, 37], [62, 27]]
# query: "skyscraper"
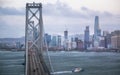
[[86, 38], [97, 32], [59, 41], [66, 35], [54, 41], [47, 38], [66, 41]]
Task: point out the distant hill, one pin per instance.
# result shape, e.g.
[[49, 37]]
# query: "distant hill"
[[12, 40]]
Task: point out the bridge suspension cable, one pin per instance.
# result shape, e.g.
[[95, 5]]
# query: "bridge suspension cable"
[[49, 58]]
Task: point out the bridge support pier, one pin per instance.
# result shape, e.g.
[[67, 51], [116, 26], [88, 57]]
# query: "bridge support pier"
[[35, 64]]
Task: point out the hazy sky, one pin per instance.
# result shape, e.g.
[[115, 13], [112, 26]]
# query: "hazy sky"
[[59, 15]]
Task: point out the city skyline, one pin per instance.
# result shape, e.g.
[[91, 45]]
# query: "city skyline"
[[75, 15]]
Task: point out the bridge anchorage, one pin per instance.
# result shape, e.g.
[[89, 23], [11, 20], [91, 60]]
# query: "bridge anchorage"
[[35, 64]]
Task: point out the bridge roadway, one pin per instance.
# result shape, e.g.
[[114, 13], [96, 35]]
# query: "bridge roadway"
[[36, 65]]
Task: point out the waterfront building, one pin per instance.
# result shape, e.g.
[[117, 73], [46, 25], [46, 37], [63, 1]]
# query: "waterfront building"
[[66, 35], [97, 32], [115, 41], [67, 45], [107, 39], [54, 41], [102, 42], [72, 39], [80, 45], [116, 32], [105, 33], [76, 39], [48, 39], [86, 38], [59, 41], [73, 45], [66, 41]]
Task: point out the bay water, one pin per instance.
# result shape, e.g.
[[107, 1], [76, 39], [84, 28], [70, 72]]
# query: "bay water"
[[93, 63]]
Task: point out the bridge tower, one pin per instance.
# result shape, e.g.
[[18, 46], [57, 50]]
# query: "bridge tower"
[[35, 64]]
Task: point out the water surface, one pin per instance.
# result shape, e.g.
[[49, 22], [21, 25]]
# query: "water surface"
[[93, 63], [11, 63]]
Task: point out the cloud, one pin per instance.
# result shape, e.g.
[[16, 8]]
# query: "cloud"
[[55, 17], [90, 12], [61, 9], [10, 31], [11, 11], [12, 26], [61, 14]]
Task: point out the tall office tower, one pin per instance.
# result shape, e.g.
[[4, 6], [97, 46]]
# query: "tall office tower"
[[97, 32], [73, 43], [66, 41], [54, 41], [66, 35], [59, 41], [86, 38], [47, 37]]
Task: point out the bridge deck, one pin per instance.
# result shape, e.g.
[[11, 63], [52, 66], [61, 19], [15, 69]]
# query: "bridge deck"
[[36, 65]]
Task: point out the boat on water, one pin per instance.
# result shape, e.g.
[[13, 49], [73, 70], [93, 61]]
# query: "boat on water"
[[77, 69], [61, 72]]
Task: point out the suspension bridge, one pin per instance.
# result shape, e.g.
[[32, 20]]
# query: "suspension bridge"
[[35, 44], [34, 40]]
